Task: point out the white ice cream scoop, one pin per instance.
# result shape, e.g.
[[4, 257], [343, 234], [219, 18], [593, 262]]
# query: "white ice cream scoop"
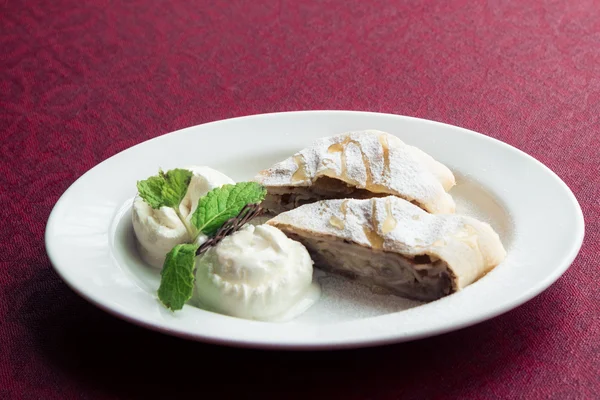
[[158, 231], [256, 273]]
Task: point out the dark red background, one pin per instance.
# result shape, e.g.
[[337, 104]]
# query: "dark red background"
[[83, 80]]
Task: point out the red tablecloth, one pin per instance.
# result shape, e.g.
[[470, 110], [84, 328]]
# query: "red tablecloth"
[[83, 80]]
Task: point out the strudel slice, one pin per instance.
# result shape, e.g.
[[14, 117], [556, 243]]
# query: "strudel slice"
[[361, 165], [393, 245]]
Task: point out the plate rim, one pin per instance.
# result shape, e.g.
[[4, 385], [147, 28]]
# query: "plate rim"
[[562, 266]]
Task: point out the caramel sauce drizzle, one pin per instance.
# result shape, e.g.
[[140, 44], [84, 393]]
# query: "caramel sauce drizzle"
[[344, 207], [300, 174], [369, 184], [390, 223], [340, 222], [340, 148], [373, 237], [383, 140], [336, 222]]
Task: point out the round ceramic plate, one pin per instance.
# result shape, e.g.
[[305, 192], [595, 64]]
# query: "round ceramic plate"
[[90, 242]]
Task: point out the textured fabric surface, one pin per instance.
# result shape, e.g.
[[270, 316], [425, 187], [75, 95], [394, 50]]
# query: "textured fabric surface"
[[83, 80]]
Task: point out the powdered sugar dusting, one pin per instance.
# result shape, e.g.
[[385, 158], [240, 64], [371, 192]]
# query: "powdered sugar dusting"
[[372, 160], [469, 247], [413, 226], [356, 171]]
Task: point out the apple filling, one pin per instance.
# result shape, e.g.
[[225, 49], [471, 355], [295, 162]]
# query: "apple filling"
[[419, 278]]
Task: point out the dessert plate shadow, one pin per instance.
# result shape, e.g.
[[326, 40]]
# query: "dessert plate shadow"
[[90, 242]]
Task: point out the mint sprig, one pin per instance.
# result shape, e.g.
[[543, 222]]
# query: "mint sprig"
[[177, 276], [224, 203], [168, 190], [213, 210]]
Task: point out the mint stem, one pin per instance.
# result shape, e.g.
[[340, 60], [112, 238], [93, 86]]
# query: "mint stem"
[[190, 230]]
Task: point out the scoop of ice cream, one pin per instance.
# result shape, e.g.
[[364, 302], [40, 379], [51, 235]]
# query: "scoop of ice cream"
[[256, 273], [158, 231]]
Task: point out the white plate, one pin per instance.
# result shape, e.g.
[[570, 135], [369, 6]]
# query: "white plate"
[[89, 235]]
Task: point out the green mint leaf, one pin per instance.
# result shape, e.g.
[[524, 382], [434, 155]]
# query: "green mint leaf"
[[165, 189], [223, 203], [177, 276]]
